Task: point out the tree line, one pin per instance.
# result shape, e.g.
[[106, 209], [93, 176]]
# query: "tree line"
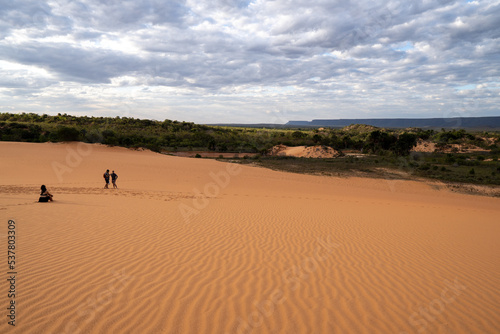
[[171, 135]]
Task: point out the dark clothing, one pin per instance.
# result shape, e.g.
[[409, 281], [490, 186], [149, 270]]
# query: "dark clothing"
[[106, 177], [114, 176], [44, 197]]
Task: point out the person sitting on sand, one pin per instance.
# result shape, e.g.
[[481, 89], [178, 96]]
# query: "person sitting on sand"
[[114, 177], [106, 178], [45, 196]]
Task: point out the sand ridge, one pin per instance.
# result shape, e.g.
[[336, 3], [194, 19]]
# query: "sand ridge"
[[201, 246]]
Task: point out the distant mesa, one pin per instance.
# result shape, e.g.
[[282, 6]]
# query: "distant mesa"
[[454, 122]]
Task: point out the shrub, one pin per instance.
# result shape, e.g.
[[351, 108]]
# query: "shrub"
[[317, 138], [67, 134], [197, 155], [425, 167], [378, 140], [472, 171], [298, 134], [109, 137], [412, 164], [405, 143], [450, 158], [95, 136], [32, 133]]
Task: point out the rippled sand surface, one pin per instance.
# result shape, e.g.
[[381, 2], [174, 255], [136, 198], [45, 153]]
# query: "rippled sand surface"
[[200, 246]]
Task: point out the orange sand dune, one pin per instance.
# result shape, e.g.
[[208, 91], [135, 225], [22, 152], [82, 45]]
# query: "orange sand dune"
[[201, 246]]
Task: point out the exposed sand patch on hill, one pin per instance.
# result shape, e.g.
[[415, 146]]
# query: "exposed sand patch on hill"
[[304, 151], [430, 147]]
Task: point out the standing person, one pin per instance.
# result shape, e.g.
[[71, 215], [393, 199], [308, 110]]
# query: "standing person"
[[45, 196], [106, 178], [114, 177]]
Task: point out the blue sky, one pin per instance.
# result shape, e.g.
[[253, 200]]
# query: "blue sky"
[[250, 61]]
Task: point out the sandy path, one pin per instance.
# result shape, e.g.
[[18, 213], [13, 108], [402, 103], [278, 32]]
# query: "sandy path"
[[200, 246]]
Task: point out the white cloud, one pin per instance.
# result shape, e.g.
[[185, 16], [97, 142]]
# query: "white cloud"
[[196, 60]]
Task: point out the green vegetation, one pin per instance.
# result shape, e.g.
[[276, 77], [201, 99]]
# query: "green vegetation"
[[427, 165], [155, 135], [384, 151]]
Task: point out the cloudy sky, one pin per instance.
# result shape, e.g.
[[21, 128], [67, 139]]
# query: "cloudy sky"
[[223, 61]]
